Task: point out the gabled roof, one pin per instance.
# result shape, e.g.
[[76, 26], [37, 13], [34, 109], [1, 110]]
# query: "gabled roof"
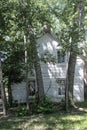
[[49, 35]]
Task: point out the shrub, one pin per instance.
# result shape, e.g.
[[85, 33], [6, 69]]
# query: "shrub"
[[46, 106], [21, 111]]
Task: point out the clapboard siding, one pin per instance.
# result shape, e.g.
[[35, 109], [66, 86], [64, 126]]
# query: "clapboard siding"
[[45, 43], [19, 92], [51, 72], [78, 80]]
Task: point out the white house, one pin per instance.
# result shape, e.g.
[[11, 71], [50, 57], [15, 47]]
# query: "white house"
[[53, 74]]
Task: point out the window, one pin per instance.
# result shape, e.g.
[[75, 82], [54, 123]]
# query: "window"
[[60, 56], [61, 86], [61, 90]]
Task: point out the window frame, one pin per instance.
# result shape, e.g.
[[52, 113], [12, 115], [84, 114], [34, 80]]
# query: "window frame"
[[61, 57], [61, 86]]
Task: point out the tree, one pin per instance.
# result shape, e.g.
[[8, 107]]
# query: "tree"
[[32, 17], [37, 69], [3, 96], [31, 20], [77, 37], [13, 66], [70, 36], [11, 43], [3, 31], [19, 18]]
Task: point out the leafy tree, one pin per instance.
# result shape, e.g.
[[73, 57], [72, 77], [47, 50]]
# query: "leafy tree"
[[13, 66], [2, 89], [3, 31], [12, 63], [70, 36], [25, 19]]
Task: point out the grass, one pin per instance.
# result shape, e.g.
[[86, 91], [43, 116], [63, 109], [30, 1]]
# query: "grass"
[[75, 120]]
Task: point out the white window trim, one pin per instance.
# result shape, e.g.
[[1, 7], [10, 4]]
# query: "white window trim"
[[60, 49], [61, 86]]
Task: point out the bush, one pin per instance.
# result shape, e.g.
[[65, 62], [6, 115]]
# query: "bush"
[[46, 106], [21, 111]]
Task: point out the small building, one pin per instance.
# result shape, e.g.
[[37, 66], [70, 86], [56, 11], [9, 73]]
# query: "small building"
[[53, 72]]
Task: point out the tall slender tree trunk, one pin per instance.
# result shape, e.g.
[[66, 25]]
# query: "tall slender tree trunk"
[[37, 66], [70, 80], [66, 91], [9, 92], [73, 55], [2, 91], [39, 79], [81, 10], [71, 73], [26, 75]]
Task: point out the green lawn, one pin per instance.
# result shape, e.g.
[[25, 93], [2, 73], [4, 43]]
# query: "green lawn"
[[76, 120]]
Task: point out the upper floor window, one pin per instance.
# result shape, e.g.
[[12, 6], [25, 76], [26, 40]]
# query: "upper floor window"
[[60, 56]]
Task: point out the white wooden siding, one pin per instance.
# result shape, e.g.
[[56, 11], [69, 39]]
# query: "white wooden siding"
[[50, 72], [19, 92], [78, 80]]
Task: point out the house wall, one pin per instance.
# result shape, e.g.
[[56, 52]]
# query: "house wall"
[[78, 91], [19, 92], [52, 72]]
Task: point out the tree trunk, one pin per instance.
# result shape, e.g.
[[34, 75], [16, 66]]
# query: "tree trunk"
[[39, 79], [81, 9], [66, 91], [2, 91], [37, 66], [70, 81], [71, 73], [85, 80], [9, 92], [78, 21], [26, 75]]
